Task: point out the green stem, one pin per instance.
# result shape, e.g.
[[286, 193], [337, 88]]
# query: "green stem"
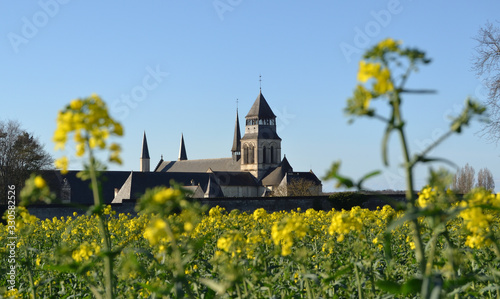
[[410, 196], [238, 292], [432, 252], [30, 274], [179, 264], [360, 293], [308, 289], [103, 229], [496, 248]]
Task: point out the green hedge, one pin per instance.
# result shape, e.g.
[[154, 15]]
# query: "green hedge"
[[347, 200]]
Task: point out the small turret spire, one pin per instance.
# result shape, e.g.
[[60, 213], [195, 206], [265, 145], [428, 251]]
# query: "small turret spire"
[[144, 160], [182, 150], [236, 149]]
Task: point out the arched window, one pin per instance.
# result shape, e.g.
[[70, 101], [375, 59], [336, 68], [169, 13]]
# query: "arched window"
[[251, 155], [273, 160], [245, 155], [264, 154]]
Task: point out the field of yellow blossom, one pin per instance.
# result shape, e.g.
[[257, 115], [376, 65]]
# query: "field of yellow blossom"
[[295, 254]]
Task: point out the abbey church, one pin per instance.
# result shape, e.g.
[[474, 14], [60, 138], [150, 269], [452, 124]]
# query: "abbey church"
[[255, 168]]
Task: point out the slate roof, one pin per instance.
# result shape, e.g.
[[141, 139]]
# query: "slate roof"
[[276, 175], [80, 190], [260, 109], [309, 176], [201, 165], [235, 178], [264, 133], [137, 182], [213, 189]]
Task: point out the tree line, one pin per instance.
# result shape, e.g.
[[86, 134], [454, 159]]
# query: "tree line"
[[465, 179], [21, 154]]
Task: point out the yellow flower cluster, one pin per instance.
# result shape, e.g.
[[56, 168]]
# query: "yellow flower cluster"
[[165, 195], [388, 44], [381, 75], [259, 213], [426, 197], [85, 251], [284, 231], [359, 103], [156, 232], [478, 219], [40, 182], [108, 210], [91, 124], [232, 242], [344, 222]]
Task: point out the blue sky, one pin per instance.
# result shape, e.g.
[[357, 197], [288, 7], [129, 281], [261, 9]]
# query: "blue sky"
[[177, 67]]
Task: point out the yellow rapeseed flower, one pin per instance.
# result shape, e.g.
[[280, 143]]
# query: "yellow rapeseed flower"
[[383, 83], [62, 164], [381, 75], [76, 104], [283, 232], [156, 231], [388, 44], [367, 70], [165, 195], [259, 213], [88, 119], [39, 182]]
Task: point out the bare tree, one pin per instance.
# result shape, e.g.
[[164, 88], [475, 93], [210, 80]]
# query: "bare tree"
[[485, 179], [464, 179], [20, 155], [487, 65]]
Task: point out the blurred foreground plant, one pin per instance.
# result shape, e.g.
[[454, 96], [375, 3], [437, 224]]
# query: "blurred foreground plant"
[[383, 75], [90, 124]]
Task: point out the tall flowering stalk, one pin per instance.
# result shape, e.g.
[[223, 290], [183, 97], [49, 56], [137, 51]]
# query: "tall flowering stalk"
[[383, 74], [91, 125]]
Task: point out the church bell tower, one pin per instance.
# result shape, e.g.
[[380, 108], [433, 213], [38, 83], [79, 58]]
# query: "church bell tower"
[[261, 145]]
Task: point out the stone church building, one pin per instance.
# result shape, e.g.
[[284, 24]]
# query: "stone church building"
[[255, 168]]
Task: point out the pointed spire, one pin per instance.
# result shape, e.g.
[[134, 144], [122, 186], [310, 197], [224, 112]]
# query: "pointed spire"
[[237, 135], [182, 150], [145, 150], [144, 160]]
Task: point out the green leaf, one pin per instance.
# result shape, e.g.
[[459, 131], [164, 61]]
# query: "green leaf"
[[217, 287], [367, 176], [432, 160], [341, 271], [385, 141], [333, 174], [412, 286], [389, 286]]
